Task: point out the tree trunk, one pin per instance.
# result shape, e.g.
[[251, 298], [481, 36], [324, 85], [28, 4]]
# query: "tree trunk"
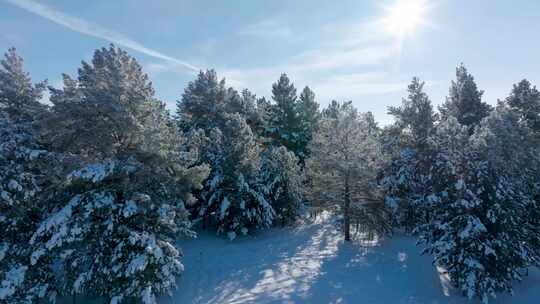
[[346, 211]]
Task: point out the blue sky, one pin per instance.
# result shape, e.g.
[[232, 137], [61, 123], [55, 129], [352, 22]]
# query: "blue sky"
[[342, 49]]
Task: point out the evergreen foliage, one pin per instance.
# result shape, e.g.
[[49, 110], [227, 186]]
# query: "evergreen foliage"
[[121, 211], [479, 231], [464, 101], [282, 180], [344, 162], [96, 189], [26, 170], [525, 101], [19, 97], [292, 120], [244, 191], [231, 198], [410, 155]]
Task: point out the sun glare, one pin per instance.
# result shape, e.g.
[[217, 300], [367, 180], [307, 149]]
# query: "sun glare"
[[404, 17]]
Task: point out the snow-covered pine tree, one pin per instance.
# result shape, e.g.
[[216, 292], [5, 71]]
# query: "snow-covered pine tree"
[[343, 167], [235, 198], [22, 179], [518, 170], [464, 101], [283, 125], [290, 121], [264, 108], [19, 98], [245, 104], [308, 116], [123, 203], [106, 110], [409, 156], [232, 199], [415, 117], [479, 232], [281, 179], [23, 176], [525, 100], [205, 102], [331, 110], [115, 235]]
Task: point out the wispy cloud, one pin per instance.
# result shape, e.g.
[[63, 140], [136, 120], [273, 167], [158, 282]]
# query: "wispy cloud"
[[351, 59], [84, 27], [340, 86], [269, 28], [322, 69], [350, 86], [332, 58]]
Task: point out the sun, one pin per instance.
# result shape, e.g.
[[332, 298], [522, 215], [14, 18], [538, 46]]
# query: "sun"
[[404, 17]]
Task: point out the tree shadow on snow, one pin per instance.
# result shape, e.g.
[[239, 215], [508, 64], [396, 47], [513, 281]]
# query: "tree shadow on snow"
[[271, 267]]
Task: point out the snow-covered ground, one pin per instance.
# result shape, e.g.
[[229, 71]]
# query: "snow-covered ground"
[[311, 264]]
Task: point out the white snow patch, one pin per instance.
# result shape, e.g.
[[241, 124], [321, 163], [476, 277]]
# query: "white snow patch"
[[473, 227], [80, 281], [13, 185], [13, 278], [137, 264], [444, 278], [402, 257], [130, 209], [94, 173], [148, 296], [225, 204], [460, 184], [116, 300]]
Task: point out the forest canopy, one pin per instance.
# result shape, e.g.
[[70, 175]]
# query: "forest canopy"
[[97, 186]]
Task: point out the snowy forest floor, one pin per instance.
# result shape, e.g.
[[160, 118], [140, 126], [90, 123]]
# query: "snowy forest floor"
[[311, 264]]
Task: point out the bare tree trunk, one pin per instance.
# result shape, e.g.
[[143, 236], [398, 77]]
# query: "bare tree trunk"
[[346, 211]]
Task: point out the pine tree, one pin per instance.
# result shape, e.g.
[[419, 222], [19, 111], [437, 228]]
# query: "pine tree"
[[25, 173], [205, 102], [19, 97], [332, 110], [115, 235], [465, 101], [525, 100], [410, 156], [124, 198], [284, 122], [245, 104], [22, 179], [309, 116], [415, 118], [344, 161], [264, 109], [282, 180], [105, 112], [479, 230], [231, 198]]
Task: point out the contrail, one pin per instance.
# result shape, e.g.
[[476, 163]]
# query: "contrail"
[[87, 28]]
